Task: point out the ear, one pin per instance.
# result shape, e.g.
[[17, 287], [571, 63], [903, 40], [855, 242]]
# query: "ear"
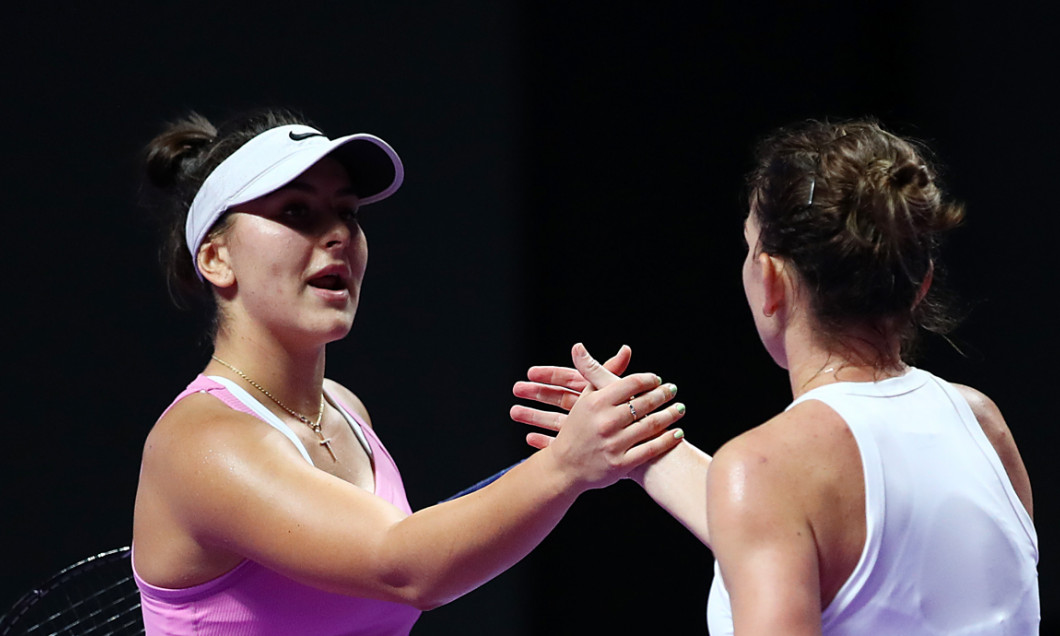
[[925, 285], [213, 262], [774, 283]]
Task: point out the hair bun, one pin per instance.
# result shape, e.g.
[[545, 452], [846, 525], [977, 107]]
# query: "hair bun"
[[870, 239], [910, 173], [169, 154]]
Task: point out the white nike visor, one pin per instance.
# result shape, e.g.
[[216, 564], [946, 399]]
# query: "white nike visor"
[[276, 157]]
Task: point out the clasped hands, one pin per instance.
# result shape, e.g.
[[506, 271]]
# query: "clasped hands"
[[612, 424]]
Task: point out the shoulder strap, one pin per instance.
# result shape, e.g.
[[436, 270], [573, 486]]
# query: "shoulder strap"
[[352, 419], [257, 409]]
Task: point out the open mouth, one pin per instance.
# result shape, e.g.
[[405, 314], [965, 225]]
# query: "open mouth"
[[331, 281]]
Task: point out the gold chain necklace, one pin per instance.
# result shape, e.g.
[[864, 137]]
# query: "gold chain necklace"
[[315, 426]]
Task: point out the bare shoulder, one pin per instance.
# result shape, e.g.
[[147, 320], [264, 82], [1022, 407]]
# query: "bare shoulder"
[[197, 462], [201, 438], [348, 398], [750, 486], [987, 413], [762, 513], [199, 420], [810, 428], [997, 431], [786, 456]]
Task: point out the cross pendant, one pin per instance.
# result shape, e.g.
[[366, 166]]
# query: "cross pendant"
[[326, 443]]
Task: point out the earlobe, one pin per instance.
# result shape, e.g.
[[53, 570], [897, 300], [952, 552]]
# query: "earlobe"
[[212, 262]]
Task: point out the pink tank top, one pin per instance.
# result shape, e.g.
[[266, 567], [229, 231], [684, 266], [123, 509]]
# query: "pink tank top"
[[252, 600]]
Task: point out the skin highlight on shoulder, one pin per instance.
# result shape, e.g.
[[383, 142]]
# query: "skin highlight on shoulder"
[[997, 431], [190, 460], [795, 480]]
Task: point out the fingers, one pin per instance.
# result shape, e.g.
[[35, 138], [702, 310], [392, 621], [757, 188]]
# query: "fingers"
[[593, 371], [645, 403], [564, 398], [557, 376], [651, 424], [571, 378], [655, 447], [653, 434], [618, 392], [619, 362], [538, 440], [648, 422], [542, 419]]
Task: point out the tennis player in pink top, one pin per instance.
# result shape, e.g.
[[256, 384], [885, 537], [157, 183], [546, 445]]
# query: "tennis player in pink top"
[[266, 502]]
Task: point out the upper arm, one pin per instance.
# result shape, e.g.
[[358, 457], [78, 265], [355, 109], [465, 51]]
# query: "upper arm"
[[997, 431], [763, 539], [348, 399], [234, 486]]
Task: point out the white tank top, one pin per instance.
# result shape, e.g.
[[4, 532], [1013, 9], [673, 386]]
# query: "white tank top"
[[949, 548]]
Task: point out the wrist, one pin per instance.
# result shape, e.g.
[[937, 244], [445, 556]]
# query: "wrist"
[[560, 477], [638, 473]]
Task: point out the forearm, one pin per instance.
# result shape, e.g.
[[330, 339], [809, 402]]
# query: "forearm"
[[677, 481], [451, 548]]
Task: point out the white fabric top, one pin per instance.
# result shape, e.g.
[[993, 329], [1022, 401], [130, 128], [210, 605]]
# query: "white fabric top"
[[949, 547], [270, 418]]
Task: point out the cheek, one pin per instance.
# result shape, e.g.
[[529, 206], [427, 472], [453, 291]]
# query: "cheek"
[[358, 254], [265, 261], [746, 273]]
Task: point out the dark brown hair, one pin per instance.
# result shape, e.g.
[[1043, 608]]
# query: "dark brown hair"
[[178, 160], [859, 213]]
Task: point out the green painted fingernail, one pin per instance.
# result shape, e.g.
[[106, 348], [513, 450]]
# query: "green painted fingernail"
[[678, 434], [672, 388], [681, 409], [658, 380]]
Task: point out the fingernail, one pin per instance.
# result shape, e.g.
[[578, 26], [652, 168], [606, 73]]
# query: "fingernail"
[[672, 388], [658, 380], [678, 434], [681, 408]]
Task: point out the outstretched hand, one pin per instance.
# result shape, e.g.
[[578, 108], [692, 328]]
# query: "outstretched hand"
[[561, 387], [622, 431]]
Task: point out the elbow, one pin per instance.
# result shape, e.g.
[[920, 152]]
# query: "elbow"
[[423, 599], [423, 595], [427, 604]]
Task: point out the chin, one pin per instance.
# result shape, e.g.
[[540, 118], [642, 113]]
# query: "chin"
[[339, 330], [324, 330]]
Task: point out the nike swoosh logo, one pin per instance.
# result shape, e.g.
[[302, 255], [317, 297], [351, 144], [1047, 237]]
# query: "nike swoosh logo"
[[301, 136]]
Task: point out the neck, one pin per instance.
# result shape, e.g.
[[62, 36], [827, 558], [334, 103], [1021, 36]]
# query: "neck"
[[293, 376], [856, 355]]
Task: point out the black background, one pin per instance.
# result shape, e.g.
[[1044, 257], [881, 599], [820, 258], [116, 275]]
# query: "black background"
[[573, 174]]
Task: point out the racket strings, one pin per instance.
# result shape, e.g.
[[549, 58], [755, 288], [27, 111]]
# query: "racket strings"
[[96, 597], [107, 611]]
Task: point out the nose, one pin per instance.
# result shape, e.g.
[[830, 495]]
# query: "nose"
[[339, 232]]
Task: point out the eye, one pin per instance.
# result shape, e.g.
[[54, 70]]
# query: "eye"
[[349, 214], [295, 211]]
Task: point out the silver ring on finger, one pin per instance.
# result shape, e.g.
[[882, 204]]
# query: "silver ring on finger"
[[632, 410]]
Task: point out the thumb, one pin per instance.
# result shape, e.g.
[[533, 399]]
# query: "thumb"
[[591, 370]]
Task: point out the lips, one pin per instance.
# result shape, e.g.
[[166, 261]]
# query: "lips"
[[331, 278], [328, 281]]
